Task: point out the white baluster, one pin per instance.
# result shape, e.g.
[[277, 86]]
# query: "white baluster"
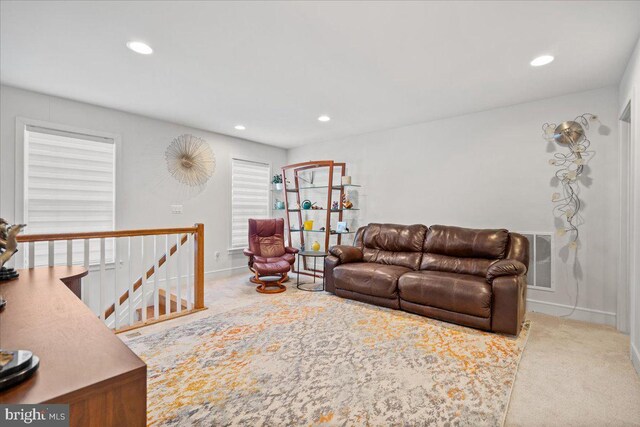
[[51, 253], [129, 271], [86, 255], [102, 276], [69, 253], [190, 281], [143, 299], [116, 306], [32, 254], [156, 273], [179, 284], [167, 280]]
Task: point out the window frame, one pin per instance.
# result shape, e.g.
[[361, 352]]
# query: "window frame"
[[230, 248], [20, 158]]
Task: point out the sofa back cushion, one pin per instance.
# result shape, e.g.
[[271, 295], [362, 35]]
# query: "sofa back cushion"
[[266, 237], [450, 264], [463, 250], [394, 244]]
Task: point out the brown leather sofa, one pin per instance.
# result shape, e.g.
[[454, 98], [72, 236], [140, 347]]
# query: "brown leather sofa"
[[471, 277]]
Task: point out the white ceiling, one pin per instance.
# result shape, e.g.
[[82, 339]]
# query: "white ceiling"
[[276, 66]]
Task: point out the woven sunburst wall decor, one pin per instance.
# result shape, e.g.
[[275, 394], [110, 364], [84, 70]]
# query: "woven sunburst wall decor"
[[190, 160]]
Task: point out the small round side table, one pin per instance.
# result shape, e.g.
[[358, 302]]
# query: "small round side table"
[[315, 255]]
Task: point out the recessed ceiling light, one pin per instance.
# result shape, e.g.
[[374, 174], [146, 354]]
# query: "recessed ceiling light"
[[542, 60], [324, 118], [139, 47], [240, 127]]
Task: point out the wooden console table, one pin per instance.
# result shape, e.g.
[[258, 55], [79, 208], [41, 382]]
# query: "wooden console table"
[[82, 362]]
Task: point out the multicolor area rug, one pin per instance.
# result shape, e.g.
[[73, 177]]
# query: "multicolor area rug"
[[316, 359]]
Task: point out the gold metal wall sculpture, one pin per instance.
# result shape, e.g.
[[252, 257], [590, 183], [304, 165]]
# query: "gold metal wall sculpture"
[[570, 166]]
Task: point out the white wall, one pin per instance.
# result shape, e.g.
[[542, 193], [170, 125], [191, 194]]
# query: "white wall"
[[487, 169], [491, 169], [629, 91], [140, 203]]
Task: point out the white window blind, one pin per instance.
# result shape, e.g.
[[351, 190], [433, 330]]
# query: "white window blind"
[[249, 197], [69, 186]]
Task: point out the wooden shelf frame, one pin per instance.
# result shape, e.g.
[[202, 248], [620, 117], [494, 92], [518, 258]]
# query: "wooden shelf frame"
[[296, 168]]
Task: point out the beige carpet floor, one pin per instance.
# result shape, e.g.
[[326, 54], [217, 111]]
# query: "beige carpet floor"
[[571, 373]]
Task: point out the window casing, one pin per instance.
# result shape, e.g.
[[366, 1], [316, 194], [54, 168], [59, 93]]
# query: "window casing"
[[250, 196], [69, 186]]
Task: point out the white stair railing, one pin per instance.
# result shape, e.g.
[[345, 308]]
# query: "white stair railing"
[[124, 283]]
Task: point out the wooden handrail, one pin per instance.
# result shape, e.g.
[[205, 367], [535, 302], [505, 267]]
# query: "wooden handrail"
[[25, 238]]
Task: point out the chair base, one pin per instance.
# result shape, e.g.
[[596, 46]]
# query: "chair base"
[[252, 279], [270, 286]]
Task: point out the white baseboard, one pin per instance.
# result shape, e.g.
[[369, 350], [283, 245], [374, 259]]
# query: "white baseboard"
[[211, 274], [225, 272], [635, 358], [580, 313]]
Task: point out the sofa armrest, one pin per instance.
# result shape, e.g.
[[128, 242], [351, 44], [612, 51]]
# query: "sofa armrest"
[[248, 253], [330, 263], [505, 267], [346, 254], [290, 250], [509, 304]]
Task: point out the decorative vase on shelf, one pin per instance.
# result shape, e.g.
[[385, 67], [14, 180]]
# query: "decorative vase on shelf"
[[315, 246], [277, 182]]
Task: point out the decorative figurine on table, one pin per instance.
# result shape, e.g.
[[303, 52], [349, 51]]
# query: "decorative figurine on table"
[[8, 247], [335, 206], [346, 203]]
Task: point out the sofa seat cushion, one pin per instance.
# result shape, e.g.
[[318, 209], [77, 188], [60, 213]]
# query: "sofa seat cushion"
[[460, 293], [290, 258], [369, 278], [268, 268]]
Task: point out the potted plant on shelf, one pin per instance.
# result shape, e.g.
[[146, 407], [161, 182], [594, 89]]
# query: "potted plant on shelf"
[[277, 182]]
